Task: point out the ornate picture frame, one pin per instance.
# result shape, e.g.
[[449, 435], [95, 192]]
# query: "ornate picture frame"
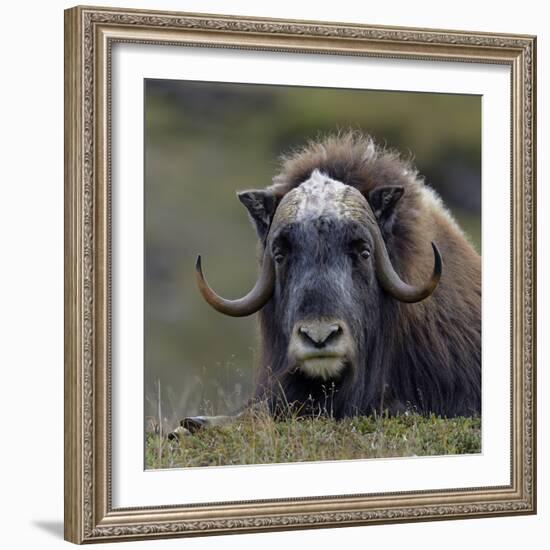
[[90, 34]]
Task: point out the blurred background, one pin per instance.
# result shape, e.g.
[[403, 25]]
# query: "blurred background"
[[203, 142]]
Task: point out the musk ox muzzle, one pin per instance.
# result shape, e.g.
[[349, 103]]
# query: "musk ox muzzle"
[[321, 348]]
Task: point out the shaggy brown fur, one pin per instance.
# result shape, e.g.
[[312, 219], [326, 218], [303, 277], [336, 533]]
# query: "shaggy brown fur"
[[432, 357]]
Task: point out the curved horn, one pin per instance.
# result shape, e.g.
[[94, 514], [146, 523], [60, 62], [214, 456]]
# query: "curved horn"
[[391, 282], [249, 304]]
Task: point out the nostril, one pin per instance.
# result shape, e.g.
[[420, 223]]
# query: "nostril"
[[306, 336], [334, 334]]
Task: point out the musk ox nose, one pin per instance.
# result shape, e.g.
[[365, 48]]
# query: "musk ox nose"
[[319, 333]]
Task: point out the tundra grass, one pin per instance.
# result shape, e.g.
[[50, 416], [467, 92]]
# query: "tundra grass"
[[258, 439]]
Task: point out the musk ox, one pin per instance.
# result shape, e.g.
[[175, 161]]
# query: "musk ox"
[[369, 293]]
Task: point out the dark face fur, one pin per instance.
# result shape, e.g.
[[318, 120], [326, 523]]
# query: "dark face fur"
[[326, 294]]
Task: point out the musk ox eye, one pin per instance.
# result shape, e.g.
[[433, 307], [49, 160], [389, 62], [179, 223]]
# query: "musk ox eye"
[[278, 256], [364, 253], [280, 249], [360, 249]]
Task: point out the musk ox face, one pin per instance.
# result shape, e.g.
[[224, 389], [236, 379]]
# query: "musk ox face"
[[326, 291], [324, 272]]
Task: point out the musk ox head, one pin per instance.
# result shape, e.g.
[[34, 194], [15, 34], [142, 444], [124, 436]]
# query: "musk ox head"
[[325, 273]]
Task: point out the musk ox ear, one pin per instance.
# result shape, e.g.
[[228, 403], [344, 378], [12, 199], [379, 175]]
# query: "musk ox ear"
[[261, 205], [382, 201]]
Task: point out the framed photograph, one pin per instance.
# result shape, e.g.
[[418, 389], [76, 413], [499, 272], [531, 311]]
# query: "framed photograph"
[[300, 274]]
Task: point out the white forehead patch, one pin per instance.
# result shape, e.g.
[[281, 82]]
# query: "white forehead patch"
[[321, 196]]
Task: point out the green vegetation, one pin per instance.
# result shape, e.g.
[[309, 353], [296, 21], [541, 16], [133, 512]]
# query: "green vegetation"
[[258, 439]]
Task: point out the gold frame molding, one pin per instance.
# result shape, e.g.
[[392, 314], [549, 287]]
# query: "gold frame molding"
[[89, 36]]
